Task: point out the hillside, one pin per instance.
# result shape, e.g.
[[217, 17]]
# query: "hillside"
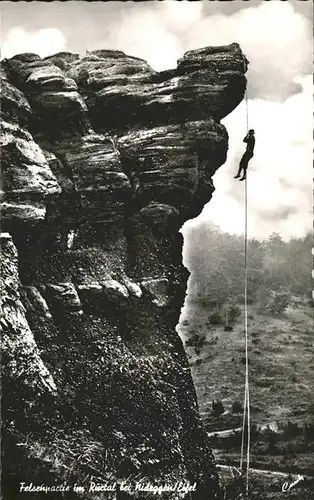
[[281, 348], [281, 368], [281, 374]]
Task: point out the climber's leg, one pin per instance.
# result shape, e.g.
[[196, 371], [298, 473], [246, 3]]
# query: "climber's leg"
[[244, 174], [244, 167], [240, 167], [246, 157]]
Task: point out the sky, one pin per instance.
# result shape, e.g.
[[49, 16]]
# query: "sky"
[[276, 37]]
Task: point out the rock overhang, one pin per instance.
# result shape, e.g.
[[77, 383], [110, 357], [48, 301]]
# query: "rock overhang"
[[104, 152]]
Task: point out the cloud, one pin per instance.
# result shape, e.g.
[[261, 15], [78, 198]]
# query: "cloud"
[[43, 42], [280, 173], [275, 37], [141, 36], [154, 31]]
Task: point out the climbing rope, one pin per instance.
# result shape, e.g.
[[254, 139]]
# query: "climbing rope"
[[247, 111], [246, 404]]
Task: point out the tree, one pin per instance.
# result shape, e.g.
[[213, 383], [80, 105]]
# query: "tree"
[[216, 263], [277, 302], [272, 440], [218, 408], [236, 407]]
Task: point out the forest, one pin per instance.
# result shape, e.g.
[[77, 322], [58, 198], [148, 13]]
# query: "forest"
[[278, 271]]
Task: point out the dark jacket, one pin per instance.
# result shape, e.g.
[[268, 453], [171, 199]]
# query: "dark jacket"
[[250, 143]]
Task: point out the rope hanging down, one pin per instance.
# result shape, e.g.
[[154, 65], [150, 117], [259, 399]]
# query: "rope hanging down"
[[246, 405]]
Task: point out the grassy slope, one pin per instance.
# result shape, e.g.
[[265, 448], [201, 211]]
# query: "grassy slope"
[[281, 363], [281, 377]]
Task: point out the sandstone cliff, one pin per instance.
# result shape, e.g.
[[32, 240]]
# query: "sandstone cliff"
[[103, 160]]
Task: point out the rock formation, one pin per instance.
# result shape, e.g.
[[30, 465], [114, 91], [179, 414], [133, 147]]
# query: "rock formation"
[[103, 160]]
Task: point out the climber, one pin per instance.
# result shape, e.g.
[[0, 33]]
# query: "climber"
[[250, 143]]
